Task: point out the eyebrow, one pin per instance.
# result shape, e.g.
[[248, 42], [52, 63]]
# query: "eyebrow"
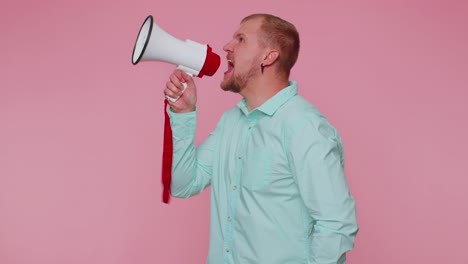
[[239, 35]]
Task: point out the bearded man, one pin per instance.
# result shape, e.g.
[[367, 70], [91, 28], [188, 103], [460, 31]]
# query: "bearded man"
[[274, 163]]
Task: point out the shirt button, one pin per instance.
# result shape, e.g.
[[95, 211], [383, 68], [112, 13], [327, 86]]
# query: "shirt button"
[[249, 127], [234, 187], [240, 156], [229, 219], [227, 250]]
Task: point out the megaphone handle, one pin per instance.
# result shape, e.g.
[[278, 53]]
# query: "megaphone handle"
[[184, 84], [177, 98]]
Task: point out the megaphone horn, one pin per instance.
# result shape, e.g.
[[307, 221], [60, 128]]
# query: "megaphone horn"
[[155, 44]]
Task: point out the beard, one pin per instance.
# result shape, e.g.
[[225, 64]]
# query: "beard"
[[238, 82]]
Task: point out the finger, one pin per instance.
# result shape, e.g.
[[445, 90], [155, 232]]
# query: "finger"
[[187, 78], [170, 93], [176, 81], [170, 87], [179, 75]]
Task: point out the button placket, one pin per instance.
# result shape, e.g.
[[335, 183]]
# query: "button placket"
[[240, 157]]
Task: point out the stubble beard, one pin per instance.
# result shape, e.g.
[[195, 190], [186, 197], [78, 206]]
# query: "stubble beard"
[[238, 82]]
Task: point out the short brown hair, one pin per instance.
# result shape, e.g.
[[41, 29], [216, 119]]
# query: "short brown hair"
[[281, 35]]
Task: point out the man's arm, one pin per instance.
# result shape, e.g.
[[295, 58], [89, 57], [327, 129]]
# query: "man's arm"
[[316, 158], [191, 166]]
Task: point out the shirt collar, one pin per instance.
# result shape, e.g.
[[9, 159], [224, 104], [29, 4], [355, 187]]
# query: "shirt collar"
[[275, 102]]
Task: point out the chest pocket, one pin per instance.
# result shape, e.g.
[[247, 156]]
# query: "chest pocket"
[[257, 169]]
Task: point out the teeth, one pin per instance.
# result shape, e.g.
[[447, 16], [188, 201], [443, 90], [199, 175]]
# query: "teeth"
[[230, 61]]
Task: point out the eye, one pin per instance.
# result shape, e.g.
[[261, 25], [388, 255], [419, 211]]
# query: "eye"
[[241, 39]]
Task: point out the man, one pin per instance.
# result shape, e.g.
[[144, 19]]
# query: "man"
[[274, 163]]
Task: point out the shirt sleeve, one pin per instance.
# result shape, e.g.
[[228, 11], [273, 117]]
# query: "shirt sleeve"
[[317, 161], [191, 166]]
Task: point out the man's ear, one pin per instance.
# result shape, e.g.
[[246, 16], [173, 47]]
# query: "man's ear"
[[271, 56]]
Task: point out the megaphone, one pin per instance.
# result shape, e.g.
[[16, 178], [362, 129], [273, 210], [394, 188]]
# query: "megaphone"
[[155, 44]]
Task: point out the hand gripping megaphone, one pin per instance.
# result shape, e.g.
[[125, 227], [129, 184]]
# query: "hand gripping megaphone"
[[155, 44]]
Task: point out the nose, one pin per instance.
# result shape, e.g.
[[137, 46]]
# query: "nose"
[[228, 46]]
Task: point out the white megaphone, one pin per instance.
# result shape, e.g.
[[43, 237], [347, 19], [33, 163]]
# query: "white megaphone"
[[155, 44]]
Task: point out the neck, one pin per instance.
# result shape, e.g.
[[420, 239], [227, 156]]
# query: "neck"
[[262, 88]]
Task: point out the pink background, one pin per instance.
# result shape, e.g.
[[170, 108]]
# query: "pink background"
[[81, 127]]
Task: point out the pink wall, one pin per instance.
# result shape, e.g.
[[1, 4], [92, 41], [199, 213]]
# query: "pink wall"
[[81, 127]]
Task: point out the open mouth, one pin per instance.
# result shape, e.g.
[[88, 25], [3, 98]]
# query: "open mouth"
[[230, 66]]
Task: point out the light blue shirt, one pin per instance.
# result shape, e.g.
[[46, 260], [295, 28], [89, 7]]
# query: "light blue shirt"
[[278, 191]]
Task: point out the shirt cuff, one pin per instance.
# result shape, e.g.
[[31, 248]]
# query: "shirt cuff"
[[183, 124]]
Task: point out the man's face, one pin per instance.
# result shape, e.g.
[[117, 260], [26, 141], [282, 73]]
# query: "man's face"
[[243, 54]]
